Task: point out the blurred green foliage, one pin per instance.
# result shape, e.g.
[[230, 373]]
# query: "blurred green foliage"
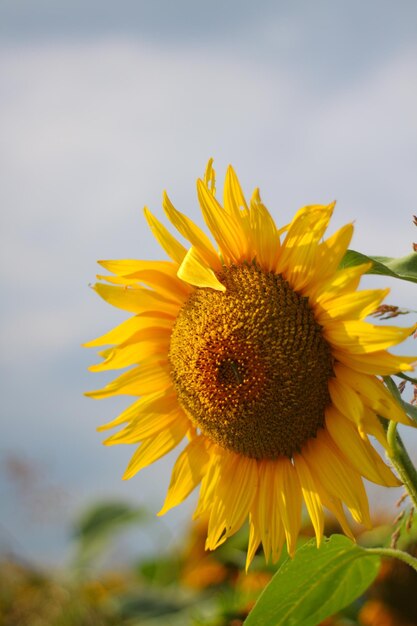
[[186, 587], [98, 526]]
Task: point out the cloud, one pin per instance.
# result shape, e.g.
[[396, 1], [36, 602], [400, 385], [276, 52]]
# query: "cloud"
[[94, 130]]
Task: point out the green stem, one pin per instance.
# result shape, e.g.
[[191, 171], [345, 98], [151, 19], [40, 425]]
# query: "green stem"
[[397, 453], [395, 554], [398, 456], [405, 377]]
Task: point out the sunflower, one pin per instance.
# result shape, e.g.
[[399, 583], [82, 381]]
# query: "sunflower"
[[255, 351]]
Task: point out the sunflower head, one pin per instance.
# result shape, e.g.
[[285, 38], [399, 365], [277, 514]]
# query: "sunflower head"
[[252, 345], [256, 383]]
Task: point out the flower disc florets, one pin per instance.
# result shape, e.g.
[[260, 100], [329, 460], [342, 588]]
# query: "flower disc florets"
[[250, 365]]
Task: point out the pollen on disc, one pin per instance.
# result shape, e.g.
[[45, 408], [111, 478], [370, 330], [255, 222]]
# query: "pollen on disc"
[[250, 365]]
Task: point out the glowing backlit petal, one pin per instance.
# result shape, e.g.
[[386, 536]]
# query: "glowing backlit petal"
[[311, 496], [188, 471], [234, 200], [233, 497], [138, 300], [380, 363], [154, 403], [353, 306], [267, 512], [208, 484], [289, 501], [195, 235], [194, 271], [226, 228], [172, 247], [130, 327], [299, 249], [133, 353], [342, 281], [131, 267], [357, 451], [254, 540], [346, 400], [361, 338], [373, 393], [265, 236], [155, 447], [337, 479], [144, 379], [143, 427], [331, 251]]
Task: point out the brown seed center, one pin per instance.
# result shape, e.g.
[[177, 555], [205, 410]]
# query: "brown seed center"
[[250, 365]]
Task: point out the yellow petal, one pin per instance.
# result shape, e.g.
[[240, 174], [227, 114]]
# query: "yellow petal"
[[130, 327], [336, 507], [172, 247], [158, 402], [226, 229], [254, 540], [233, 198], [337, 479], [147, 378], [143, 427], [267, 511], [342, 281], [351, 306], [311, 496], [118, 280], [299, 248], [327, 260], [210, 177], [127, 267], [346, 400], [151, 333], [331, 251], [187, 473], [372, 426], [265, 236], [265, 500], [235, 204], [133, 353], [380, 363], [153, 449], [235, 492], [289, 501], [194, 271], [361, 337], [209, 482], [137, 300], [357, 451], [373, 393], [164, 284], [193, 233], [167, 286]]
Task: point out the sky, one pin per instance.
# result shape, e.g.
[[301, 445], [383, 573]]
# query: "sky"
[[103, 105]]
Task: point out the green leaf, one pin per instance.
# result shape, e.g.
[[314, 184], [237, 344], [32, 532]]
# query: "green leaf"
[[315, 584], [404, 268]]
